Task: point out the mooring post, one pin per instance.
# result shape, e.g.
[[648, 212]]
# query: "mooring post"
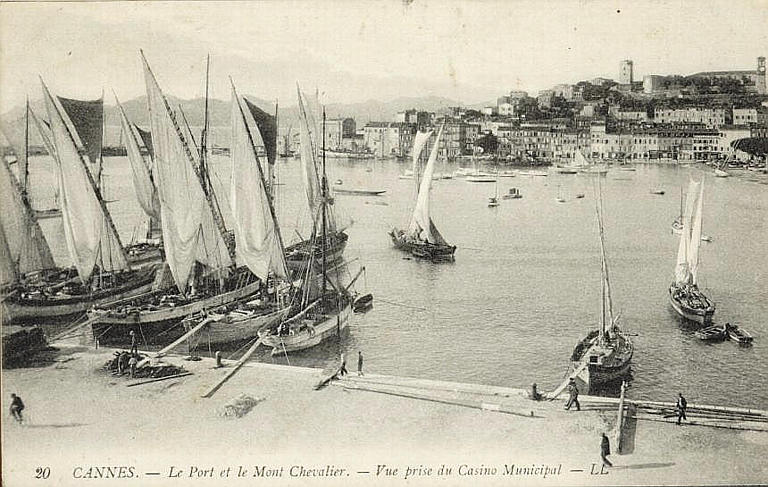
[[620, 418], [218, 359]]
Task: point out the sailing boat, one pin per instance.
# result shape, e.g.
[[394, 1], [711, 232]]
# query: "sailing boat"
[[684, 294], [493, 201], [259, 243], [329, 314], [422, 239], [586, 166], [720, 171], [104, 270], [605, 354], [199, 250], [304, 251]]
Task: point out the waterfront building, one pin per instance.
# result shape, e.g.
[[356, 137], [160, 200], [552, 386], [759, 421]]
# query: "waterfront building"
[[336, 129], [710, 117], [731, 133], [388, 139], [626, 72]]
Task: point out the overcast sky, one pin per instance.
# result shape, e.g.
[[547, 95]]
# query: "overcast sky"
[[355, 51]]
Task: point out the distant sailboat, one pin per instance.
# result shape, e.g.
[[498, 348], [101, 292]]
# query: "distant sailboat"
[[684, 294], [422, 239], [493, 201], [605, 354]]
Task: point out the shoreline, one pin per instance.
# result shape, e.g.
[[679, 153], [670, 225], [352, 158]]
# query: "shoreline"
[[81, 417]]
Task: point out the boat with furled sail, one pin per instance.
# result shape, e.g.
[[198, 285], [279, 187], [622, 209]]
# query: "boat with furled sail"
[[104, 271], [421, 238], [334, 240], [605, 354], [684, 294], [318, 317], [199, 250]]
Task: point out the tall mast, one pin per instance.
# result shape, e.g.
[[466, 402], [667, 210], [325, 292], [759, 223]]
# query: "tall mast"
[[325, 197], [204, 134], [270, 164], [26, 152]]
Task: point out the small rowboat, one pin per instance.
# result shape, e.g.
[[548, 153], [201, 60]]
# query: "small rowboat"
[[712, 333], [360, 192], [657, 191], [738, 334], [362, 303]]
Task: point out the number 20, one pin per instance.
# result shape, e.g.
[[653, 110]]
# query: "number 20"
[[42, 472]]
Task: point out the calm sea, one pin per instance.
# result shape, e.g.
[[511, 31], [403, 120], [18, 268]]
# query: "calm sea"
[[525, 286]]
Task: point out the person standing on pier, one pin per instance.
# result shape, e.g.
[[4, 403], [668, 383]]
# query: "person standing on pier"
[[681, 405], [605, 450], [360, 363], [17, 406], [132, 363], [134, 348], [573, 396]]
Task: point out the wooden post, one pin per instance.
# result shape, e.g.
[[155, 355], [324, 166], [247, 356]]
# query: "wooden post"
[[620, 418]]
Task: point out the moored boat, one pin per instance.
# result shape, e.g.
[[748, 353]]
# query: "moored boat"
[[685, 297], [712, 333], [605, 354], [422, 239], [740, 335]]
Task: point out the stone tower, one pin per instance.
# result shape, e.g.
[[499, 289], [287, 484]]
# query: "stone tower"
[[625, 72]]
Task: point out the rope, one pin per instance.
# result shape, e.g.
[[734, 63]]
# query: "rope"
[[419, 308], [246, 345], [285, 351]]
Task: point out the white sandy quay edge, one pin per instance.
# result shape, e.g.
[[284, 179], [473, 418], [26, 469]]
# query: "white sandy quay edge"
[[80, 417]]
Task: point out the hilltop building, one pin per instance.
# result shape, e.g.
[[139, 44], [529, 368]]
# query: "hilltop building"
[[626, 72], [753, 80]]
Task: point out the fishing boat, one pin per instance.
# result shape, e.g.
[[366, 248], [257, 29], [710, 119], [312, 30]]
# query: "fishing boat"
[[588, 167], [258, 239], [363, 303], [334, 240], [605, 354], [422, 239], [481, 179], [506, 174], [739, 335], [104, 271], [657, 191], [533, 173], [513, 194], [579, 196], [713, 333], [329, 314], [199, 250], [684, 294]]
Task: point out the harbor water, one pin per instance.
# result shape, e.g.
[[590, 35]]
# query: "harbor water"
[[525, 285]]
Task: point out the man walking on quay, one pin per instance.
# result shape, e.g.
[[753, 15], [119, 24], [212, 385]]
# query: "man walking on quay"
[[605, 450], [17, 406], [134, 347], [343, 367], [360, 363], [573, 396], [681, 405]]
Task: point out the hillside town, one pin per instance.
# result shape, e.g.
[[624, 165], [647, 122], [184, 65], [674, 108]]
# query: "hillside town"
[[656, 119]]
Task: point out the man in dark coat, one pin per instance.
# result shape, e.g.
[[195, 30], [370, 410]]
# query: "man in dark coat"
[[605, 450], [573, 395], [134, 347], [17, 406], [359, 363], [681, 405]]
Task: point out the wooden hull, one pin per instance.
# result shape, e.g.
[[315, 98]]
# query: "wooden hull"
[[738, 335], [702, 316], [17, 309], [297, 255], [330, 326], [169, 315], [424, 250], [606, 363], [232, 330], [714, 333]]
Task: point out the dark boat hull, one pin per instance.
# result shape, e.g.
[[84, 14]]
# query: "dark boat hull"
[[703, 316], [18, 309], [298, 254], [424, 250]]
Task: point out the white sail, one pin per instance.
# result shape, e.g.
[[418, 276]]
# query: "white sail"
[[90, 235], [579, 160], [146, 192], [8, 272], [257, 243], [421, 221], [419, 141], [45, 133], [308, 157], [695, 238], [27, 247], [687, 252], [190, 230]]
